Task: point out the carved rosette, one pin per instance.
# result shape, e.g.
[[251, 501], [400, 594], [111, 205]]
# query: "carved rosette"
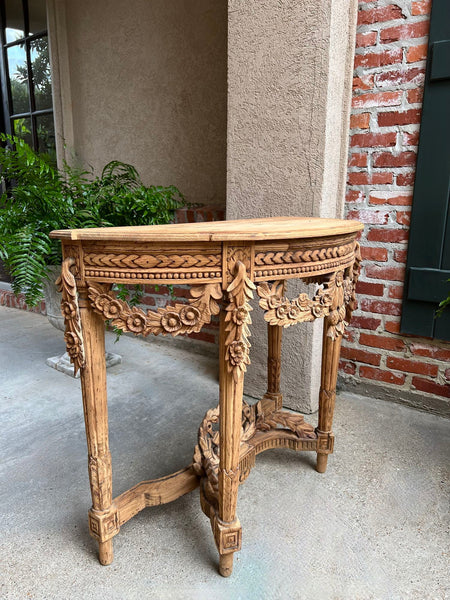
[[69, 307], [254, 419], [330, 301], [172, 320], [237, 320]]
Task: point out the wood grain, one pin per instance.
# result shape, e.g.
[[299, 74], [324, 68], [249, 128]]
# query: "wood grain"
[[233, 360], [221, 262], [272, 228], [155, 492], [93, 386], [327, 394]]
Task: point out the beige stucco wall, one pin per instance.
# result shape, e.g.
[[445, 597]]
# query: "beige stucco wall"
[[289, 73], [144, 82]]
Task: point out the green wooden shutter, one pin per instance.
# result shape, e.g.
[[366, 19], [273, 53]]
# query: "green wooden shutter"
[[428, 263]]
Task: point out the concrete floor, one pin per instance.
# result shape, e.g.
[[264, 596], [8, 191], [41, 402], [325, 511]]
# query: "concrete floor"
[[374, 526]]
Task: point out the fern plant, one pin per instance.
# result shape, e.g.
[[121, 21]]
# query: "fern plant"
[[40, 198]]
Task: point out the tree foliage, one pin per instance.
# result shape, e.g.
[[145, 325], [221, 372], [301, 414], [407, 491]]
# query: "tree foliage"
[[40, 68]]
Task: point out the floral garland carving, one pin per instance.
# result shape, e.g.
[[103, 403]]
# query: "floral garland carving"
[[330, 301], [207, 451], [171, 320], [237, 320], [73, 336]]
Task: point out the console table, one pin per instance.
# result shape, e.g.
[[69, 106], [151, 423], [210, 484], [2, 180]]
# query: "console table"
[[226, 263]]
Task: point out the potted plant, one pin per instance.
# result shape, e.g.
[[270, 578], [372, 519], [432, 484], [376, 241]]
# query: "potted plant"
[[38, 198]]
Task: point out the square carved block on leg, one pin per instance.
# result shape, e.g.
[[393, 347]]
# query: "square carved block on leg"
[[325, 446], [103, 525], [228, 536]]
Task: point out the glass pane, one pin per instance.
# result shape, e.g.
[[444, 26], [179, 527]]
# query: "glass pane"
[[22, 129], [14, 20], [37, 16], [46, 135], [17, 65], [40, 66]]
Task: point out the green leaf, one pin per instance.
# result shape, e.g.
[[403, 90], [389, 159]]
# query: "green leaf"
[[39, 199]]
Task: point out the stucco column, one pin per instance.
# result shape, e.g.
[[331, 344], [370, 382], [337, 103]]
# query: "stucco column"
[[289, 89]]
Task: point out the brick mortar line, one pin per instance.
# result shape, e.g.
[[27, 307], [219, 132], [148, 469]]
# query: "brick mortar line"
[[406, 352], [392, 386]]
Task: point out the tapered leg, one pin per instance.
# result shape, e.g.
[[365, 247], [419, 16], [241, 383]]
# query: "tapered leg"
[[274, 337], [327, 395], [227, 529], [103, 521]]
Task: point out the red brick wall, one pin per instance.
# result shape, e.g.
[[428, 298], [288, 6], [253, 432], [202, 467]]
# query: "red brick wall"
[[7, 298], [391, 48]]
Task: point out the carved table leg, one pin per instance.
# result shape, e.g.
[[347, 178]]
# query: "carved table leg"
[[274, 337], [103, 518], [327, 395], [227, 529], [233, 359]]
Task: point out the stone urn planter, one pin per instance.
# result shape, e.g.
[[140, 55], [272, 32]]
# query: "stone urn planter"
[[53, 298], [53, 305]]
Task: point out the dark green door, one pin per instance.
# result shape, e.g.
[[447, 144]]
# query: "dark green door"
[[428, 263]]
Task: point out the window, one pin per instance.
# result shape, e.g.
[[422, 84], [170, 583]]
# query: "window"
[[26, 85]]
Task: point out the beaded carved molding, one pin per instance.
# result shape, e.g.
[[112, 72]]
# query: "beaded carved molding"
[[171, 320], [69, 307], [157, 265], [290, 261], [298, 262]]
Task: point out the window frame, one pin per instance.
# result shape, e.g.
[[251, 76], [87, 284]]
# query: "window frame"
[[8, 116]]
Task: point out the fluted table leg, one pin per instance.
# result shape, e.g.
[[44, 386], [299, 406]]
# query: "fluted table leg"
[[227, 527], [327, 395], [274, 338], [103, 520]]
